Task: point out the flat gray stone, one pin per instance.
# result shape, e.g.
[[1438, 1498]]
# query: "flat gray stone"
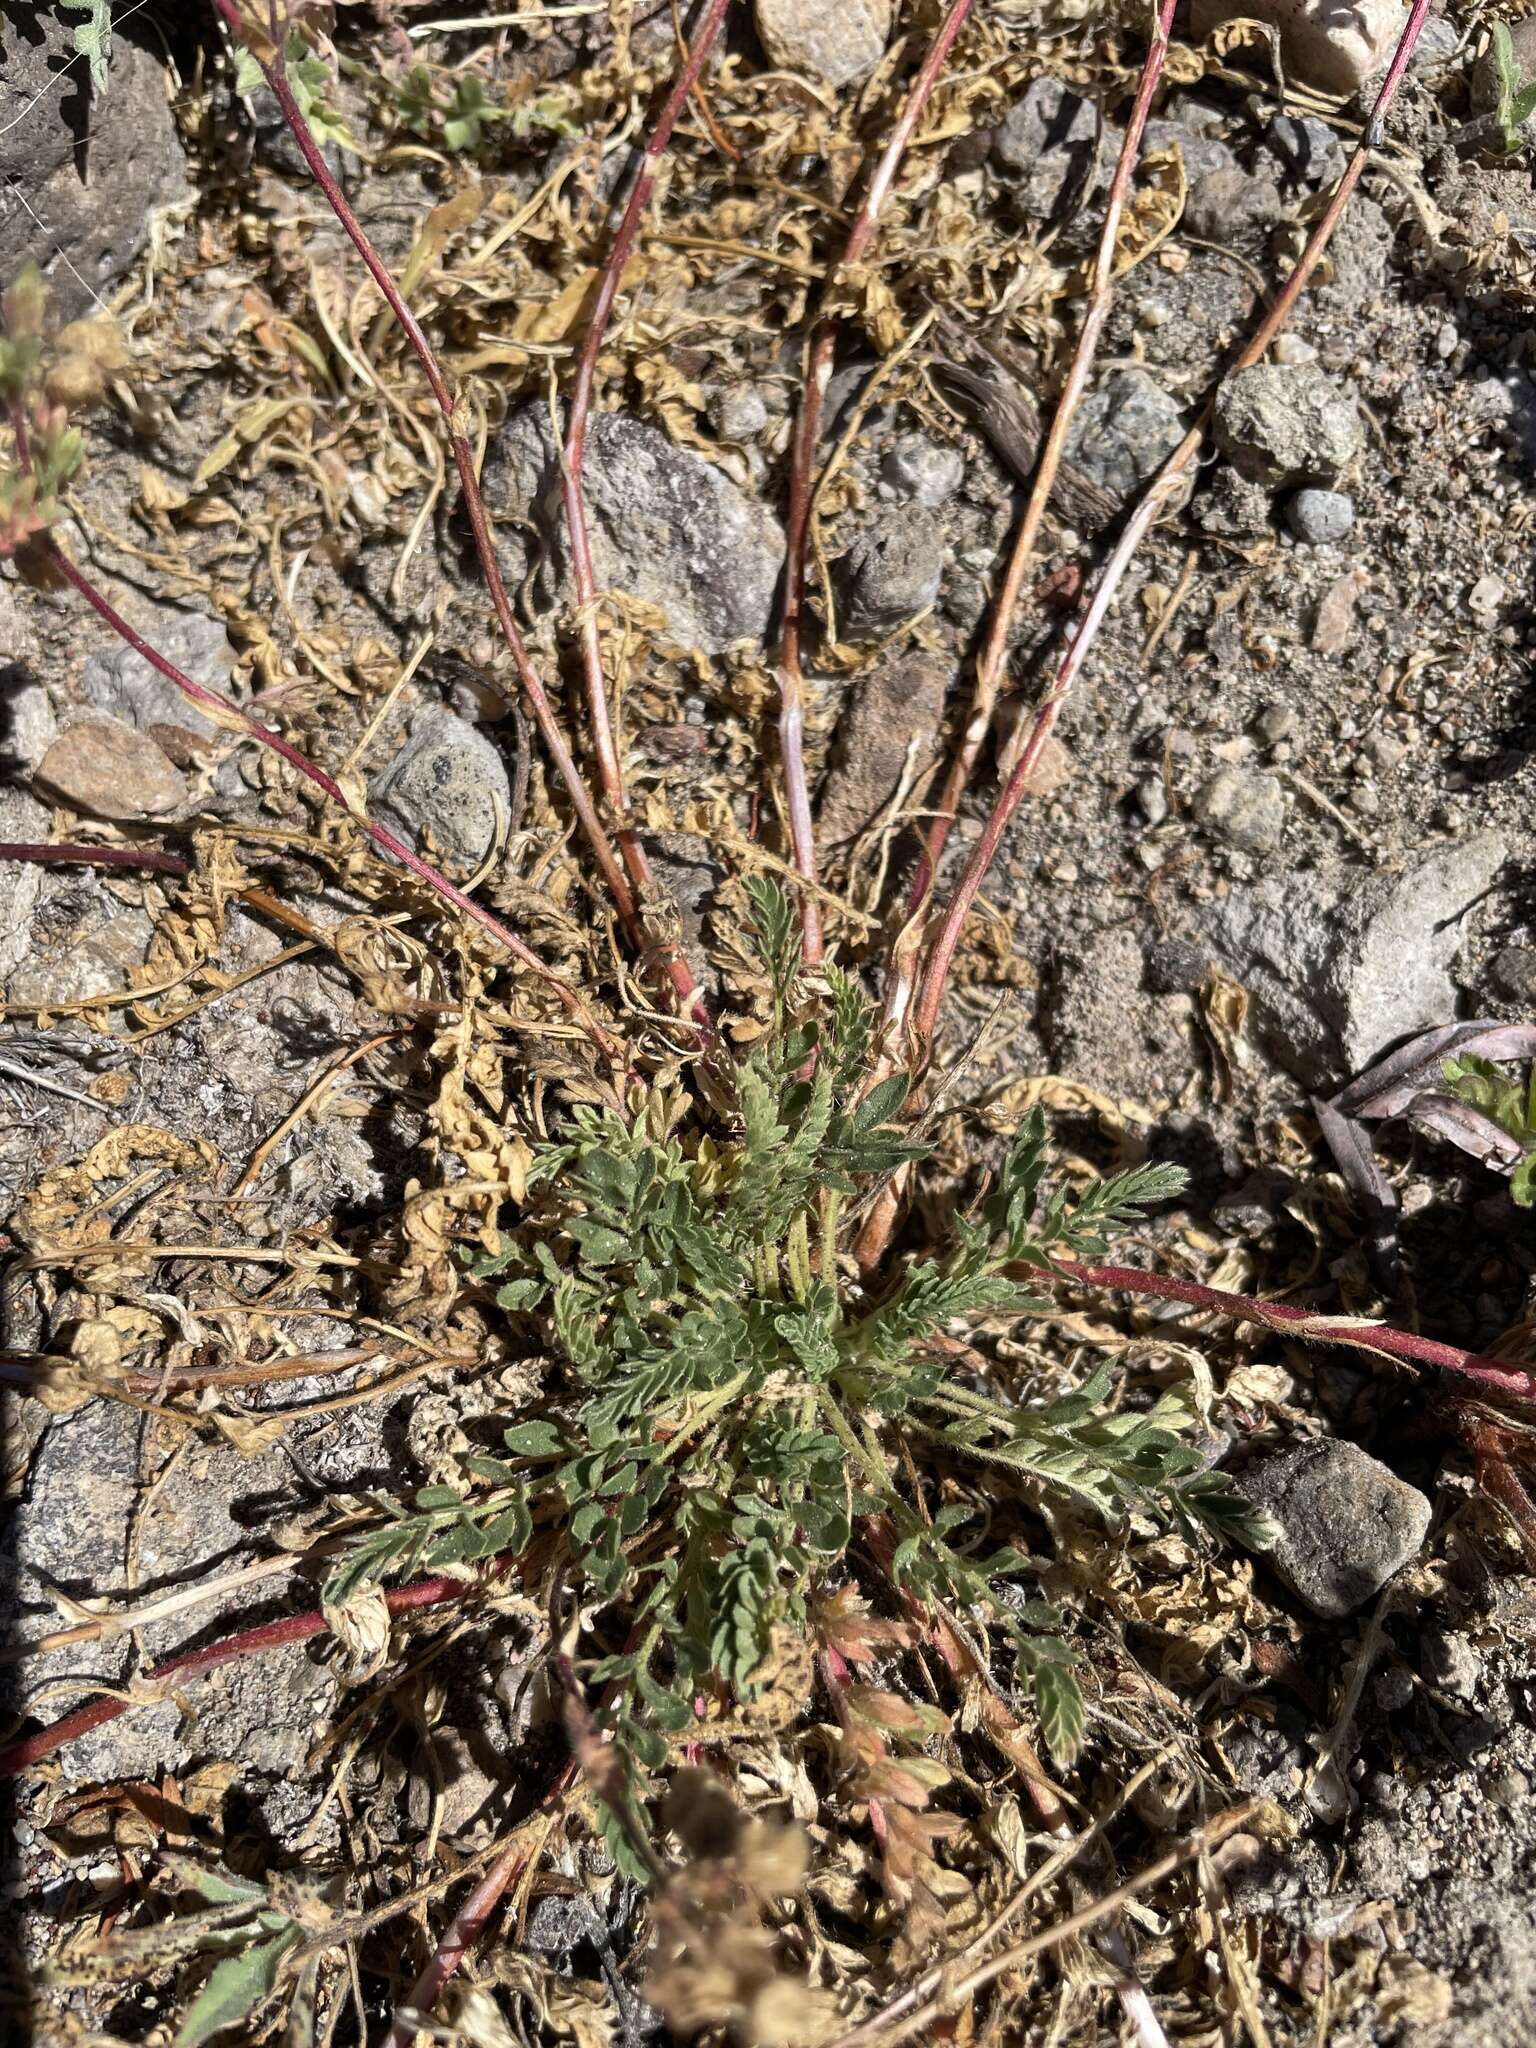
[[1342, 965], [666, 526]]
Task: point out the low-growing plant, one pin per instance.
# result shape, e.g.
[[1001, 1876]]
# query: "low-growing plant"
[[724, 1406]]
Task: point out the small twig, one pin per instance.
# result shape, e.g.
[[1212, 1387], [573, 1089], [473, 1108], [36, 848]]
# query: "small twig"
[[50, 1087], [308, 1099], [67, 855], [462, 1932], [610, 767], [251, 1642], [120, 1620], [818, 374], [1163, 487]]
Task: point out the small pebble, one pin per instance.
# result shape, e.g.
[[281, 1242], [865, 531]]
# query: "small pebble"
[[1290, 349], [1446, 340], [1320, 517], [105, 767], [1485, 597], [924, 470], [1394, 1688], [1245, 808], [1152, 799], [738, 414], [1276, 722]]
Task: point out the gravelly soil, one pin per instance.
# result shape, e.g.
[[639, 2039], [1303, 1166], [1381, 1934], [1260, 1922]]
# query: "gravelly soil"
[[1373, 693]]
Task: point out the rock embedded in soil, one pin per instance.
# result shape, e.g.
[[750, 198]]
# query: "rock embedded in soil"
[[107, 769], [1202, 153], [1048, 144], [448, 783], [1311, 152], [1513, 970], [1286, 424], [666, 526], [1325, 43], [738, 413], [926, 471], [1230, 205], [838, 41], [896, 706], [1244, 807], [1346, 1522], [1341, 965], [81, 171], [1124, 431], [123, 683], [893, 571], [1320, 517]]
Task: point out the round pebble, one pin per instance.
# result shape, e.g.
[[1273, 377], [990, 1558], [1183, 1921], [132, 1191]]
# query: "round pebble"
[[1320, 517]]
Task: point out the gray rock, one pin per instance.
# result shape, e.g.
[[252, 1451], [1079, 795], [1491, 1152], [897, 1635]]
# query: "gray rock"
[[448, 782], [1124, 431], [738, 413], [1449, 1661], [839, 44], [27, 730], [1049, 145], [1320, 517], [926, 471], [1176, 967], [1243, 806], [1310, 151], [1347, 1523], [1340, 967], [81, 171], [1514, 973], [893, 704], [1228, 204], [892, 571], [123, 683], [1152, 799], [1202, 153], [1288, 423], [467, 1786], [667, 526]]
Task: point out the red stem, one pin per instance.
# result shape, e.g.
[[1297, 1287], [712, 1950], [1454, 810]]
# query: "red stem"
[[67, 854], [792, 695], [1156, 496], [1491, 1374], [610, 767], [271, 1635], [474, 503], [989, 668]]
